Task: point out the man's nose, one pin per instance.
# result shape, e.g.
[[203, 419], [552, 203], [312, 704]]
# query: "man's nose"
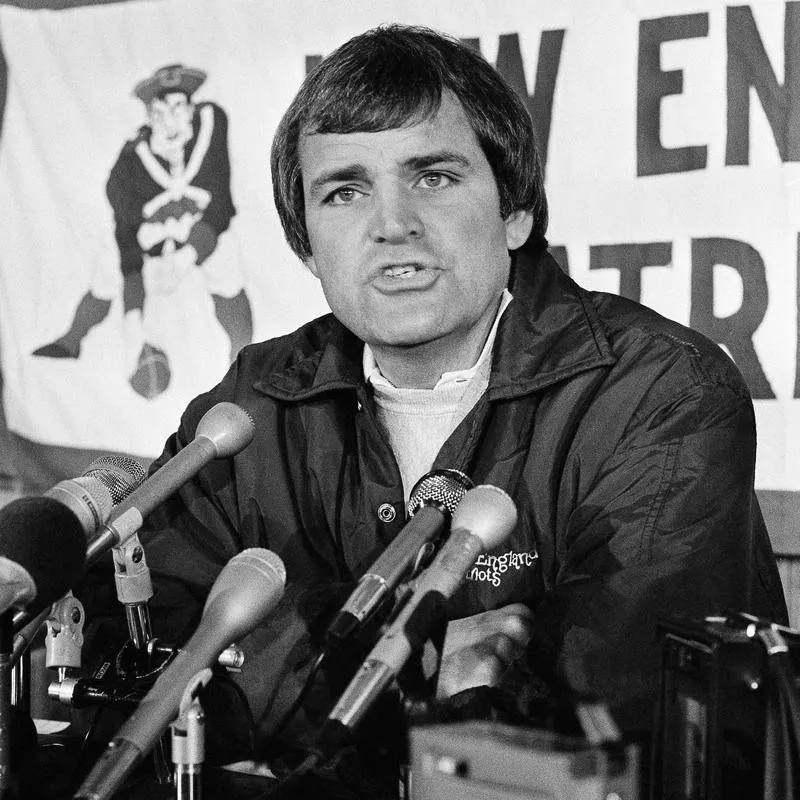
[[395, 217]]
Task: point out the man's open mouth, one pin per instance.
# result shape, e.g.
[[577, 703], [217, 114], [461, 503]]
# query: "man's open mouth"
[[401, 270]]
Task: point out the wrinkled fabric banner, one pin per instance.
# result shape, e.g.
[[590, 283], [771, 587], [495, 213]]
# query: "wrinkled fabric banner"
[[131, 260]]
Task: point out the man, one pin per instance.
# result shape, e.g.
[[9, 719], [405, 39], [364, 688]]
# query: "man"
[[406, 177], [171, 196]]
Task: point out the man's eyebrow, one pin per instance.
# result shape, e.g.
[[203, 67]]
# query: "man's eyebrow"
[[438, 157], [350, 172], [357, 172]]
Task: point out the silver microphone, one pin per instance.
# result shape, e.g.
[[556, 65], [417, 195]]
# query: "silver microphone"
[[119, 474], [106, 481], [433, 500], [223, 431]]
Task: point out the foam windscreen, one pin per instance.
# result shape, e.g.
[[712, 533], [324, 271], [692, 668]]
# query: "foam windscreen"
[[44, 537]]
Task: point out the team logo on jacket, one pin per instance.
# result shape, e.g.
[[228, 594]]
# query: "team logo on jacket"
[[491, 568]]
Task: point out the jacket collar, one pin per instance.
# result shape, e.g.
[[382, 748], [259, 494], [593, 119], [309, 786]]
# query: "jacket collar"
[[549, 333]]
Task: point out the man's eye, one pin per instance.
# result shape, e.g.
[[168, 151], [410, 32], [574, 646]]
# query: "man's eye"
[[343, 196], [435, 180]]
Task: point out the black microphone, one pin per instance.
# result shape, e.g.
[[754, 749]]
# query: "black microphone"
[[43, 539], [433, 500], [42, 549], [246, 590], [223, 431], [485, 517]]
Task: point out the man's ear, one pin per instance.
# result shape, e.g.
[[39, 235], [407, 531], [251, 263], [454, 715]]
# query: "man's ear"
[[312, 266], [518, 228]]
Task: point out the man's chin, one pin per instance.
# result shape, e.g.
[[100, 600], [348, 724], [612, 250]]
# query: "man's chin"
[[405, 340]]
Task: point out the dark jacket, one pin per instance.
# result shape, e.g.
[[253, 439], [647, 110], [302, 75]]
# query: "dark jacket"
[[626, 440]]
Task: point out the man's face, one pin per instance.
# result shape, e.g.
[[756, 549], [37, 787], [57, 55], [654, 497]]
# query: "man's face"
[[406, 234], [170, 117]]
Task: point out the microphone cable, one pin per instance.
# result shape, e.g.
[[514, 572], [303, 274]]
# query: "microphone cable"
[[287, 786], [308, 684], [380, 618]]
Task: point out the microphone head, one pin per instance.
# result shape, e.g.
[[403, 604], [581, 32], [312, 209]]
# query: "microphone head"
[[442, 488], [107, 481], [246, 590], [88, 498], [44, 537], [488, 513], [228, 427], [119, 474]]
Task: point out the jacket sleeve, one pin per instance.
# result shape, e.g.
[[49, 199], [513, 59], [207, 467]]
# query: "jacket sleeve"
[[663, 523]]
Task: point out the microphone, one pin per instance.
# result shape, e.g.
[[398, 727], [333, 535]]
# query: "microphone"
[[246, 590], [106, 481], [42, 549], [43, 539], [433, 500], [484, 518], [119, 474], [223, 431]]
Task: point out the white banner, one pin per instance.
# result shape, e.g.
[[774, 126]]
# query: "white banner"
[[672, 140]]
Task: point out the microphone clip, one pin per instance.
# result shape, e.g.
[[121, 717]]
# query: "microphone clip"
[[64, 640]]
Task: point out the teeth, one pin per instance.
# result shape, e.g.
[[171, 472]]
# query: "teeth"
[[400, 271]]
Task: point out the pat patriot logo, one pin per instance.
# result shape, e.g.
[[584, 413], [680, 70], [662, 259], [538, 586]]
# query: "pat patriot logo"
[[491, 568]]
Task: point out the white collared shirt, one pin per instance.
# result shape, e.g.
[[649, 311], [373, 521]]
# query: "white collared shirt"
[[373, 374]]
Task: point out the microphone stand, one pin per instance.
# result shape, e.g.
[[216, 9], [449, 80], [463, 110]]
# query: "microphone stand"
[[6, 648], [188, 752], [64, 641], [188, 741], [25, 634], [134, 589], [21, 682]]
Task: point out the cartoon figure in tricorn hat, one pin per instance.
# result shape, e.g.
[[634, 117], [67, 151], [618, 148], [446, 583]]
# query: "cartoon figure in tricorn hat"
[[170, 193]]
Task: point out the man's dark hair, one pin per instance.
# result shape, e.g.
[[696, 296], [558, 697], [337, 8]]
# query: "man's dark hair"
[[393, 76]]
